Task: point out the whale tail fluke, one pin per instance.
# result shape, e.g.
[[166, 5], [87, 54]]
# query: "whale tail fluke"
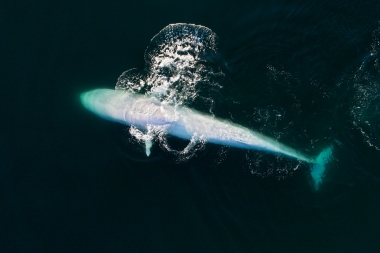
[[318, 167]]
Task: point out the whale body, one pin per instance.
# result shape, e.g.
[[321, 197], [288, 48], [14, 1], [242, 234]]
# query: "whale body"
[[183, 122]]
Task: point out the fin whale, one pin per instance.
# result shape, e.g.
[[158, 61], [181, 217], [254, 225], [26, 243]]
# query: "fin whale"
[[142, 111]]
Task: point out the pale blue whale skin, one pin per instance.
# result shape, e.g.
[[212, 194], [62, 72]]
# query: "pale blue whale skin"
[[140, 111]]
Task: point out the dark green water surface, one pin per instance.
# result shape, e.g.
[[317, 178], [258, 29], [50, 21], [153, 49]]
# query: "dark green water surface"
[[307, 74]]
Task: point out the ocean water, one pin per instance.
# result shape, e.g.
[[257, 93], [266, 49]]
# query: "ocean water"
[[305, 74]]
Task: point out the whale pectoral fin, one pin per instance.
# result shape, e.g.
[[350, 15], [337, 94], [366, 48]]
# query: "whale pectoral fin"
[[318, 168], [148, 146]]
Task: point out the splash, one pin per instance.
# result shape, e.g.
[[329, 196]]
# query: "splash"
[[180, 70], [365, 110], [179, 67]]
